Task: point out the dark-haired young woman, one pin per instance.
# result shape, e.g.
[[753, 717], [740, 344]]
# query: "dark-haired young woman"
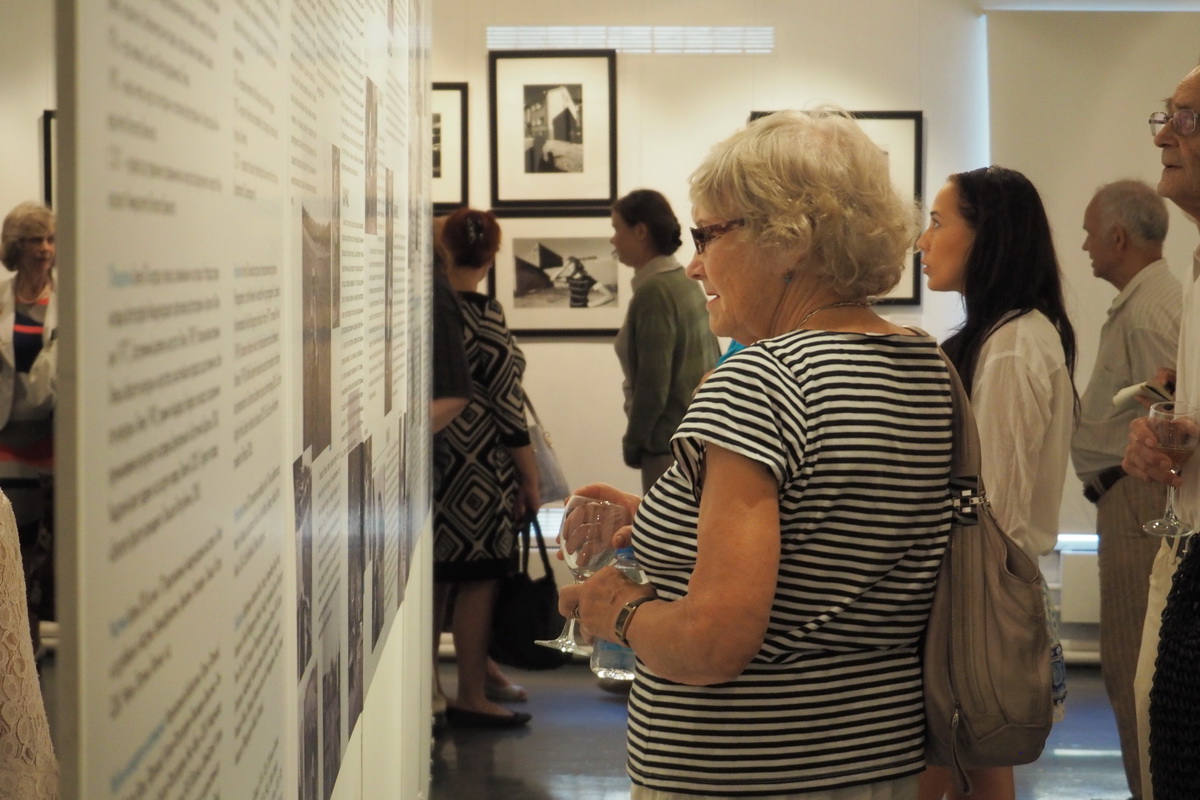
[[665, 346], [989, 239], [489, 486]]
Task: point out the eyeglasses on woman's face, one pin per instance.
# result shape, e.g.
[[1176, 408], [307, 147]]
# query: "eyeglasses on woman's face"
[[702, 236], [1182, 120]]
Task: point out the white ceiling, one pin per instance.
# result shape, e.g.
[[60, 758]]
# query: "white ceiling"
[[1089, 5]]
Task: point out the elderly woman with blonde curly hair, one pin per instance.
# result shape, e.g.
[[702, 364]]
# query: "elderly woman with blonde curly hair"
[[792, 549], [28, 364]]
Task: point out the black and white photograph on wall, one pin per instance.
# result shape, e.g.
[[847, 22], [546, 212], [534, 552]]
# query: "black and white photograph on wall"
[[302, 494], [309, 724], [560, 277], [448, 105], [331, 718], [317, 225], [549, 157], [371, 158], [49, 156], [553, 128], [577, 273], [900, 134]]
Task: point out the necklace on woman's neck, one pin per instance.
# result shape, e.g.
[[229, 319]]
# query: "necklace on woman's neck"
[[843, 304], [31, 297]]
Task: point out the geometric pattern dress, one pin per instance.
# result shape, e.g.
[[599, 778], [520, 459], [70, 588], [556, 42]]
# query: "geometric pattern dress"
[[474, 530]]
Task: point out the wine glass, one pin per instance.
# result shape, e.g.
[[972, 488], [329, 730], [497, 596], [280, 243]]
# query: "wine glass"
[[1177, 429], [585, 541]]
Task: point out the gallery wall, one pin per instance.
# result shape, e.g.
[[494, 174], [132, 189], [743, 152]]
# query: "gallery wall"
[[1051, 93], [27, 89], [908, 55], [1071, 93]]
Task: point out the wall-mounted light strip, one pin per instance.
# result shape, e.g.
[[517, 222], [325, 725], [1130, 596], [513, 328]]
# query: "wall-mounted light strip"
[[663, 39]]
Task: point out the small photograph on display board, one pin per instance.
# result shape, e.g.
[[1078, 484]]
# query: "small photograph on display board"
[[376, 547], [359, 469], [319, 221], [371, 157], [389, 288], [302, 494], [335, 229], [409, 523], [309, 724], [331, 719]]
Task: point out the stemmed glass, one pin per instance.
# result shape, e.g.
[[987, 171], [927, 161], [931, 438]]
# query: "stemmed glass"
[[1176, 427], [585, 541]]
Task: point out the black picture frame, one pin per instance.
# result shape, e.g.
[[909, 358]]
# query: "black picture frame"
[[49, 156], [548, 158], [451, 156], [558, 277], [901, 134]]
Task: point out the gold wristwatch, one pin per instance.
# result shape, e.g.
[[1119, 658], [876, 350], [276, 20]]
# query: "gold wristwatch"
[[625, 616]]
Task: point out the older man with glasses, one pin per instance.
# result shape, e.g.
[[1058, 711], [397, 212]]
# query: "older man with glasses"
[[1174, 701]]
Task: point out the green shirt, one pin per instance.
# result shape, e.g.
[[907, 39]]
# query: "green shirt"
[[665, 348]]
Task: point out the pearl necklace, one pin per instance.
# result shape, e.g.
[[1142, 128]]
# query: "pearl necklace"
[[843, 304]]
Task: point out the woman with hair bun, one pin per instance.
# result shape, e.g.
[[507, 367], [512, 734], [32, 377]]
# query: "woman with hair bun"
[[665, 346], [490, 483]]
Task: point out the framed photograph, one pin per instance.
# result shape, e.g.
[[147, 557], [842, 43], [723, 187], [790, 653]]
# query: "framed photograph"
[[448, 102], [553, 121], [49, 157], [558, 276], [901, 135]]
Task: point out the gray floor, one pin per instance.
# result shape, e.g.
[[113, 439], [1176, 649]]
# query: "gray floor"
[[574, 747]]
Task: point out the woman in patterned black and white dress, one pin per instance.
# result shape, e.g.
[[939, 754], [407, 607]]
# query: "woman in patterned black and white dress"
[[793, 548], [490, 478]]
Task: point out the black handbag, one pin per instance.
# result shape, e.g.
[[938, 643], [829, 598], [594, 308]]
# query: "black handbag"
[[527, 610]]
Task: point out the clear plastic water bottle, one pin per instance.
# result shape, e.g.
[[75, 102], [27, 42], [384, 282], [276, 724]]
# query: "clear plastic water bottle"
[[610, 660]]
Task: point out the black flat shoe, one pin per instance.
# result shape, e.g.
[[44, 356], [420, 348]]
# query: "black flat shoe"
[[462, 718]]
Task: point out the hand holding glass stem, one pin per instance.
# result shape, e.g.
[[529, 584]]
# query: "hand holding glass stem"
[[1176, 427], [586, 545]]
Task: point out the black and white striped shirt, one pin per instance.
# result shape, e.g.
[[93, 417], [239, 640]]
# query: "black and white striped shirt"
[[856, 429]]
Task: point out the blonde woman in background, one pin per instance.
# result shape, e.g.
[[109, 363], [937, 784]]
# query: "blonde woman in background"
[[28, 389]]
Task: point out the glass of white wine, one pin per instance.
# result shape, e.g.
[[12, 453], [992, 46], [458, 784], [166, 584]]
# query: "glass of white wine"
[[1176, 426], [585, 541]]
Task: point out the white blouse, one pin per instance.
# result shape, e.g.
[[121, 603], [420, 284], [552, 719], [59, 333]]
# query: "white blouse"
[[1024, 406], [1187, 389]]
